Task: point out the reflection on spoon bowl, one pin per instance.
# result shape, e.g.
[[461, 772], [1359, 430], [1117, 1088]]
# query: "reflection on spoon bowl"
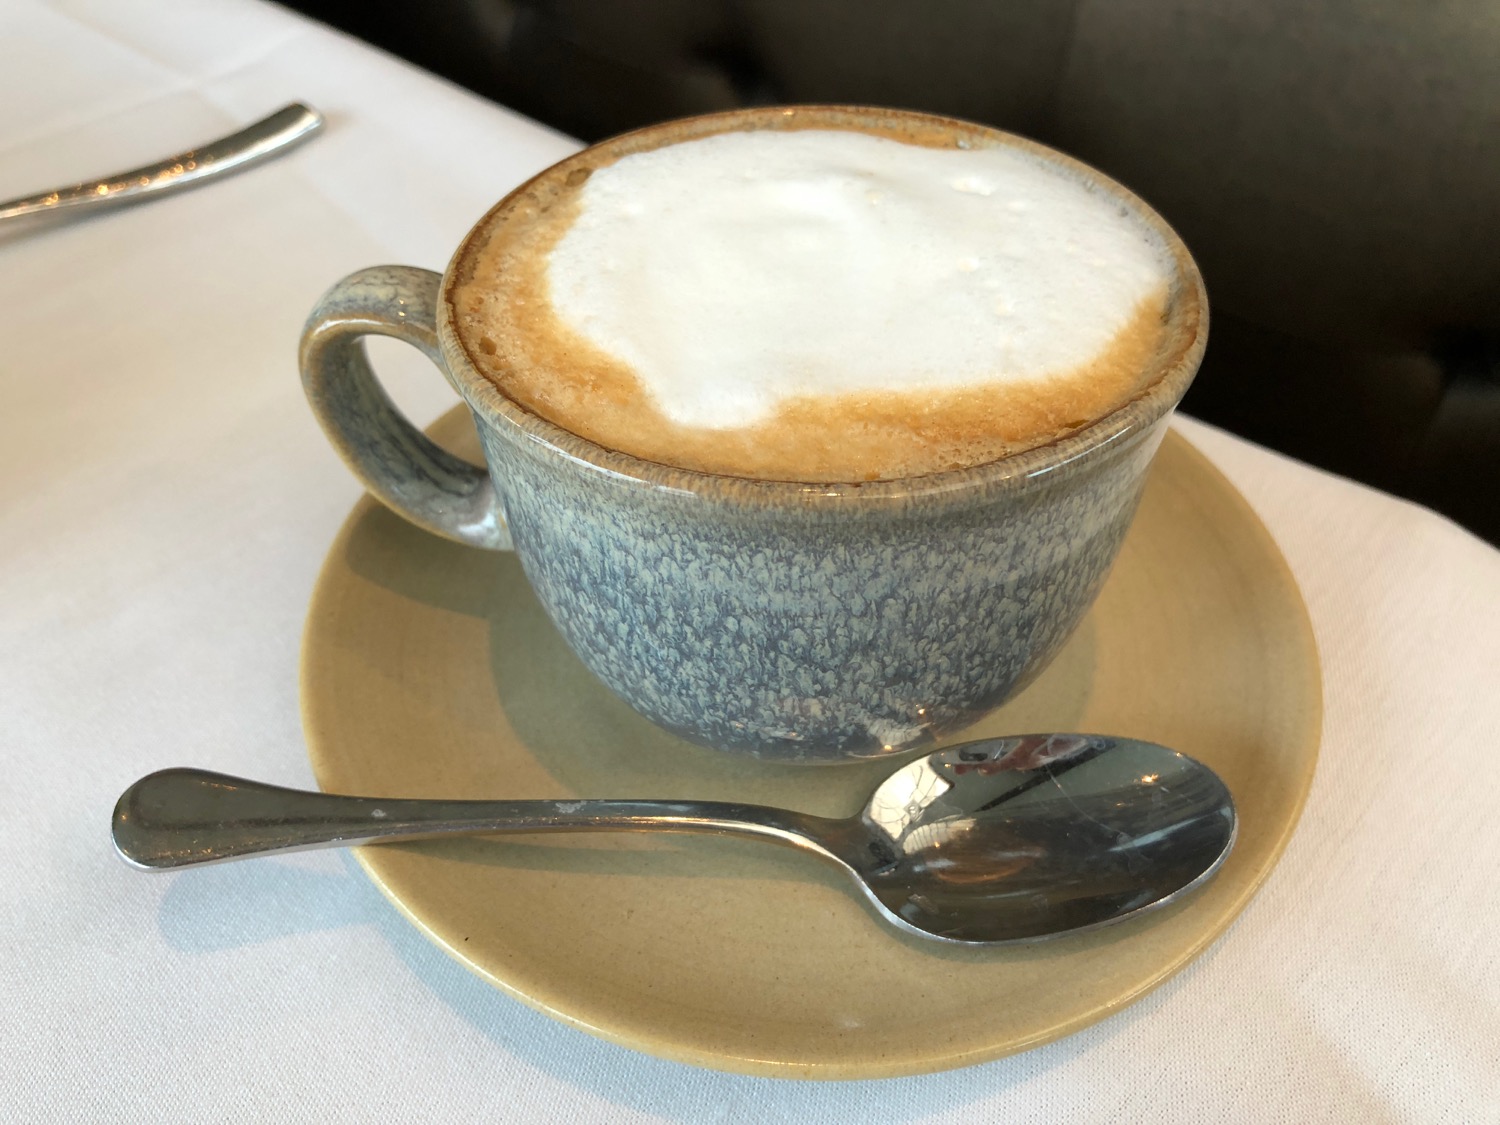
[[1022, 838]]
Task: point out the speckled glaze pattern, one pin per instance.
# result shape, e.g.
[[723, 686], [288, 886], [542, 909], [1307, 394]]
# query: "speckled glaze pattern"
[[793, 622], [813, 630]]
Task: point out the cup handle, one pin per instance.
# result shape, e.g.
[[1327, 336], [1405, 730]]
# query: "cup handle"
[[400, 466]]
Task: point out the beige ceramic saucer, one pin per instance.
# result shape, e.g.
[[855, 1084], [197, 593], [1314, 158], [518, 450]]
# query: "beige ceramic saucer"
[[430, 670]]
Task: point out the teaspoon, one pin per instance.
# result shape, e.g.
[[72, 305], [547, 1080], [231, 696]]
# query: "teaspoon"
[[1000, 840]]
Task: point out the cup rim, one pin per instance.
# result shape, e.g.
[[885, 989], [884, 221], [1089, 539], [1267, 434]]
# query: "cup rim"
[[1153, 402]]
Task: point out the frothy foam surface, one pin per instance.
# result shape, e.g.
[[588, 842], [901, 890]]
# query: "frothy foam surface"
[[818, 304]]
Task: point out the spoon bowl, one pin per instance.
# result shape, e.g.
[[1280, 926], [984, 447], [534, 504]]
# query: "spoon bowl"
[[1015, 839], [996, 841]]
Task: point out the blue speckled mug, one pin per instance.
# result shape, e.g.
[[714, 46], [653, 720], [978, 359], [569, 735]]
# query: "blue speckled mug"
[[793, 622]]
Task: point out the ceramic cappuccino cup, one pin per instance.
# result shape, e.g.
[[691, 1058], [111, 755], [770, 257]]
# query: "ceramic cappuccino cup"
[[783, 615]]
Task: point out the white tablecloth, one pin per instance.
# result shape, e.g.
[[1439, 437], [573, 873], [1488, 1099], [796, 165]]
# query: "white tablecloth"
[[166, 500]]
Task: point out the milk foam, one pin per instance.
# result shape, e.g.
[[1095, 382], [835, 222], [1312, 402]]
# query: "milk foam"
[[737, 273]]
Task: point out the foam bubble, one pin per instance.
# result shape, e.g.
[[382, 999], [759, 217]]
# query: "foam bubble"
[[746, 271]]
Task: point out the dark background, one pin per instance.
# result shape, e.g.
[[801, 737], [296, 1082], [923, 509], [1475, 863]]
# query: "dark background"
[[1333, 164]]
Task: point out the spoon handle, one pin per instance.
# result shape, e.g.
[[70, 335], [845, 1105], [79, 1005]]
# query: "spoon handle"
[[183, 817], [286, 127]]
